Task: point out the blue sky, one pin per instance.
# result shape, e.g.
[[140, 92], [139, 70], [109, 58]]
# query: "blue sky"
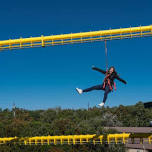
[[41, 78]]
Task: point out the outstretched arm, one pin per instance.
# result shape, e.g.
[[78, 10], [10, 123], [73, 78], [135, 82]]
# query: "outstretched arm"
[[123, 81], [99, 70]]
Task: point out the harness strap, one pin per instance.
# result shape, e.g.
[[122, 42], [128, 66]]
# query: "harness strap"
[[109, 84], [107, 75], [115, 86]]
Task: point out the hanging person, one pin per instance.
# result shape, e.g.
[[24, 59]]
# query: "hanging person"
[[107, 85]]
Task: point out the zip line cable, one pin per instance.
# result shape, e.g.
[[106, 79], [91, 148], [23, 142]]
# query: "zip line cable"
[[106, 55]]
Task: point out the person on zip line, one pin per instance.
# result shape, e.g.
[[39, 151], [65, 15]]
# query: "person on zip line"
[[107, 85]]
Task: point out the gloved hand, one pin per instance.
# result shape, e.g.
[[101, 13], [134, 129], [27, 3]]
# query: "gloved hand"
[[93, 67]]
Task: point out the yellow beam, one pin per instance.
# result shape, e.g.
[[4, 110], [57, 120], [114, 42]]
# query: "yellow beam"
[[74, 139], [70, 139], [77, 139], [62, 39]]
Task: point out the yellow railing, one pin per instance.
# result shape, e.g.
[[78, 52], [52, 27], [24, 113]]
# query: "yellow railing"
[[74, 139], [43, 41], [122, 138], [117, 138]]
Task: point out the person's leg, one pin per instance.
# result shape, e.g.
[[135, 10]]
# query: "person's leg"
[[97, 87], [107, 90]]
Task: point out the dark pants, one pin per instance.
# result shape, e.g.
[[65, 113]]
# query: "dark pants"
[[100, 87]]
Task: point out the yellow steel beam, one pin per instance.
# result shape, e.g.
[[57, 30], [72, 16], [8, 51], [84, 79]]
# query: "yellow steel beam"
[[62, 39], [70, 139], [74, 139]]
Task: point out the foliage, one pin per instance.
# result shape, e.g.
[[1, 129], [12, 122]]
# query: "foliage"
[[59, 121]]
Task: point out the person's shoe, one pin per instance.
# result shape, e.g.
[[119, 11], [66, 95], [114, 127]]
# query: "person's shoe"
[[80, 91], [101, 104]]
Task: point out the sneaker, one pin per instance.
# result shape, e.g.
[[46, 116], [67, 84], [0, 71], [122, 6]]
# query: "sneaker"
[[80, 91], [101, 104]]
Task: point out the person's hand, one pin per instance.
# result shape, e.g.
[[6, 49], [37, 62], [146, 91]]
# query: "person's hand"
[[93, 66]]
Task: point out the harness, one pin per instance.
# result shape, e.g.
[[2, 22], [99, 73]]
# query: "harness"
[[107, 75], [107, 79]]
